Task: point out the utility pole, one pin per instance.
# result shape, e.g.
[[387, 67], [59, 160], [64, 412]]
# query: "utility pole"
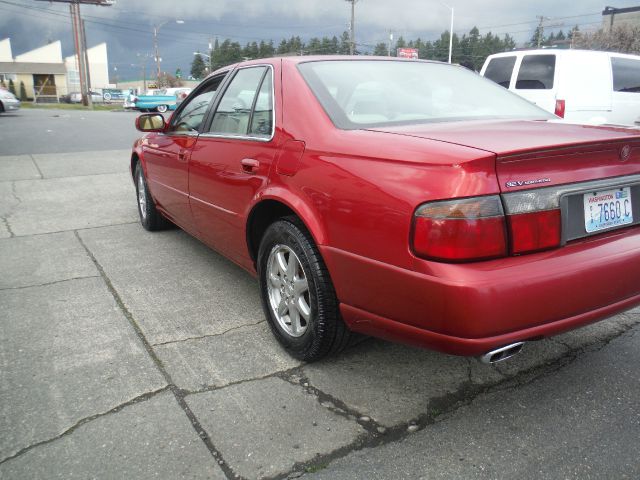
[[540, 32], [79, 40], [156, 29], [390, 41], [352, 26]]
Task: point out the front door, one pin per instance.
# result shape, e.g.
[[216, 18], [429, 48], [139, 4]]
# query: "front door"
[[232, 158], [167, 155]]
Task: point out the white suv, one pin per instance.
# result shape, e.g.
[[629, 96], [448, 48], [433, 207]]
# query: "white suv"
[[581, 86]]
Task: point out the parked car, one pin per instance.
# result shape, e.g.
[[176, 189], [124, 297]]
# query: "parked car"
[[8, 101], [409, 200], [158, 100], [580, 86], [76, 97]]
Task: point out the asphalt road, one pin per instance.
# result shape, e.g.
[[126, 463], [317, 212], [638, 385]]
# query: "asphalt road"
[[127, 354], [53, 131]]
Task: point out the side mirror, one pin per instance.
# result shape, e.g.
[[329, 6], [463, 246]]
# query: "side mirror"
[[150, 122]]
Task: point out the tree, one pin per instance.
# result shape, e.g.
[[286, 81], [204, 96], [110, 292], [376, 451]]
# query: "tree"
[[2, 84], [381, 49], [23, 92], [168, 80], [622, 39], [12, 87], [198, 67]]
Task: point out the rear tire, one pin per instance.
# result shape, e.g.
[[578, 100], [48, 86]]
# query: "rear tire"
[[162, 108], [298, 297], [150, 218]]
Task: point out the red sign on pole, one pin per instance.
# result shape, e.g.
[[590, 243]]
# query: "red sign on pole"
[[408, 53]]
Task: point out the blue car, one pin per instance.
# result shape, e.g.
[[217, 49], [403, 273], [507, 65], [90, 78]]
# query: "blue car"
[[160, 101]]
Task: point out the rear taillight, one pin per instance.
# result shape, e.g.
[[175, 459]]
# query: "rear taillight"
[[460, 230], [534, 231], [560, 105]]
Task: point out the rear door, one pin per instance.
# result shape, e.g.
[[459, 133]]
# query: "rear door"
[[626, 90], [536, 80], [232, 157]]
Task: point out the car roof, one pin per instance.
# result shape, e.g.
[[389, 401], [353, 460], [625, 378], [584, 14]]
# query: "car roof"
[[297, 59], [561, 51]]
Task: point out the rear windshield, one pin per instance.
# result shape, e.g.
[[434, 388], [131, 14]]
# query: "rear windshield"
[[536, 72], [499, 70], [626, 74], [367, 93]]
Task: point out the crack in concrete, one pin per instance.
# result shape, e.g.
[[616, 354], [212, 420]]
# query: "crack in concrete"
[[177, 392], [140, 398], [7, 226], [35, 163], [439, 408], [78, 229], [209, 335], [48, 283], [11, 210], [213, 388]]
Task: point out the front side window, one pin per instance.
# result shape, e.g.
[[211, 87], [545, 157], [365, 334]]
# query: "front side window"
[[626, 74], [500, 69], [233, 114], [190, 117], [368, 93], [536, 72]]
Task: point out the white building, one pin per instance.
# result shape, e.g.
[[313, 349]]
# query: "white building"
[[98, 69], [47, 75]]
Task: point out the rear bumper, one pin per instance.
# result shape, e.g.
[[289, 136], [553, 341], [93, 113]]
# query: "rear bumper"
[[471, 308]]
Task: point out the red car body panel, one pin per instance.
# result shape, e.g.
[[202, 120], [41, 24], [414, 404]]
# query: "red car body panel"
[[357, 191]]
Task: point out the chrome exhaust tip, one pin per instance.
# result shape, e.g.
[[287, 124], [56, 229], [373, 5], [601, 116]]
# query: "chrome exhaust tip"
[[502, 353]]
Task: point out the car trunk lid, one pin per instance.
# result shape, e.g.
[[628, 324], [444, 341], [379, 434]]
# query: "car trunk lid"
[[532, 154], [559, 182]]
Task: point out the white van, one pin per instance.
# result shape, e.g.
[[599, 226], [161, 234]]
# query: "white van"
[[581, 86]]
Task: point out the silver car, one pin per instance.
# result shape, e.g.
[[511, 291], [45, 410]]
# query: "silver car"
[[8, 101]]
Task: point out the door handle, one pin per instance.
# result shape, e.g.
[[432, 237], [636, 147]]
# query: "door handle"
[[182, 155], [249, 165]]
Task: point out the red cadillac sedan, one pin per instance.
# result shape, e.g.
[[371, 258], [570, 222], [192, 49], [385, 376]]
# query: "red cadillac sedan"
[[409, 200]]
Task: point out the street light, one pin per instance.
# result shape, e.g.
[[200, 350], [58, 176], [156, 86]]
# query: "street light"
[[156, 29], [451, 30]]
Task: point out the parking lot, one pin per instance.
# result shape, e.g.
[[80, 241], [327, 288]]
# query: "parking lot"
[[129, 354]]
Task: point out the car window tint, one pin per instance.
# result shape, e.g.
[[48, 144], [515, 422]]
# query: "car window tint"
[[380, 92], [536, 72], [190, 117], [234, 111], [262, 118], [499, 70], [626, 74]]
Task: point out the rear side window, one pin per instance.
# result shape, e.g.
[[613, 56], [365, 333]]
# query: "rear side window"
[[233, 114], [499, 70], [536, 72], [626, 74]]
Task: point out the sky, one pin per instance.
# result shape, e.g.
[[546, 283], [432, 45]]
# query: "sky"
[[127, 26]]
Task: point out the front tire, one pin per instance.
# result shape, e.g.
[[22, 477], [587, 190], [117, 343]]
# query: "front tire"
[[298, 297], [162, 108], [150, 218]]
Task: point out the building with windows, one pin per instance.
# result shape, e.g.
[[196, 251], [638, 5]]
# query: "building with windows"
[[46, 75]]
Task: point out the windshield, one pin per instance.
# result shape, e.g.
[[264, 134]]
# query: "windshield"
[[357, 94]]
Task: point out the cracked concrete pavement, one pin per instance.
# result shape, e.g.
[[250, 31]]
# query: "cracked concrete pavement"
[[126, 354]]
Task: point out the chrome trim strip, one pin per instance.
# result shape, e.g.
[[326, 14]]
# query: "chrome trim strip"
[[549, 198], [273, 111], [213, 206]]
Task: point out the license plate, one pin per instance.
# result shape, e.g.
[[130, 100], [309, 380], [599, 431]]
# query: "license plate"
[[607, 209]]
